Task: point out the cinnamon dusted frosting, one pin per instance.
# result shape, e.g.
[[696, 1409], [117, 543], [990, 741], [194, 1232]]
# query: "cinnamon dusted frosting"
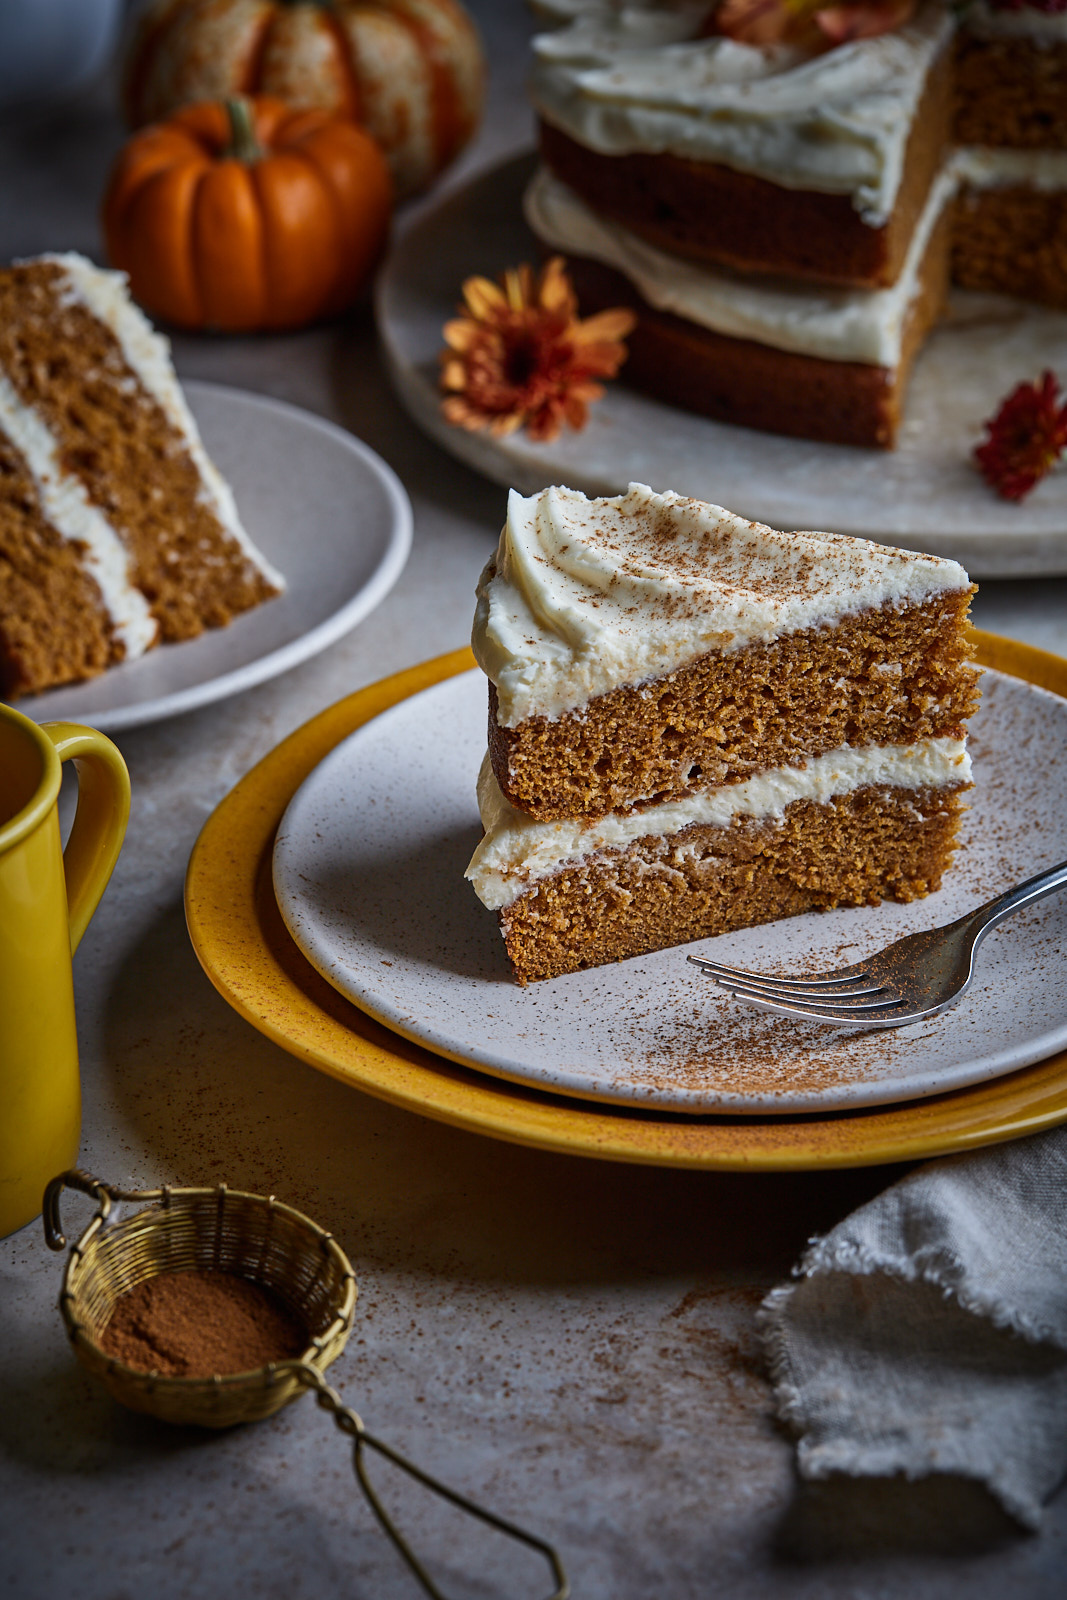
[[585, 595], [517, 852], [632, 76]]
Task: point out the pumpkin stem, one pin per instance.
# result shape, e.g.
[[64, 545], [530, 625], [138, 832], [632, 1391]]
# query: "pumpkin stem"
[[243, 145]]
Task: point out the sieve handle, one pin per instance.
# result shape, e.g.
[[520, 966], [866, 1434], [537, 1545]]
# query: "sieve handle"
[[351, 1423], [103, 1193], [55, 1238]]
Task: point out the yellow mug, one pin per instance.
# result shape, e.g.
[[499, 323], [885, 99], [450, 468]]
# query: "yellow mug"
[[47, 896]]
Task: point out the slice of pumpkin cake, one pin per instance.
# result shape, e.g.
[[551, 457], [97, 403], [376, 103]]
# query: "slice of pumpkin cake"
[[698, 723], [116, 531]]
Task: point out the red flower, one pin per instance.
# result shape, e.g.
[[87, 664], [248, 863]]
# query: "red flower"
[[1026, 438], [518, 356]]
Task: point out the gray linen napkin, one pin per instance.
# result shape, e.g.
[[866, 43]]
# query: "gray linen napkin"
[[928, 1331]]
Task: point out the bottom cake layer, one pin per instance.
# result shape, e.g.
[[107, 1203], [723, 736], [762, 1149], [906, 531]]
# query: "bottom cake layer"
[[856, 849], [754, 385], [809, 360]]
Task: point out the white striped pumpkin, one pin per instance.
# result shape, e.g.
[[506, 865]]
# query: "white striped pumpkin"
[[410, 71]]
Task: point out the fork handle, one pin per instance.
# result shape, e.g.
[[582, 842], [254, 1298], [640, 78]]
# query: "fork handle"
[[1024, 894]]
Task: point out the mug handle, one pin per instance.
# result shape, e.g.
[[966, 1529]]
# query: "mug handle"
[[99, 822]]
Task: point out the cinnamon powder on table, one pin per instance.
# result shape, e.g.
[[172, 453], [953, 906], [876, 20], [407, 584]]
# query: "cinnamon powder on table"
[[196, 1324]]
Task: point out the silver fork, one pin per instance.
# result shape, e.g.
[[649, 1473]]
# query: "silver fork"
[[916, 977]]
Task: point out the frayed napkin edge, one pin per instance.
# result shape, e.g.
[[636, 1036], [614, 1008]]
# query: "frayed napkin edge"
[[934, 1264], [816, 1462]]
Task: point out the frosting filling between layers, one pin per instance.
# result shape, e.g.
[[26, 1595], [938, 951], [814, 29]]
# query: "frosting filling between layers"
[[70, 511], [147, 354], [586, 596], [833, 324], [981, 166], [517, 851], [631, 77]]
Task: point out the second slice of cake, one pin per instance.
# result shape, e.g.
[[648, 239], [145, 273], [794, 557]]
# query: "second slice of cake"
[[698, 723]]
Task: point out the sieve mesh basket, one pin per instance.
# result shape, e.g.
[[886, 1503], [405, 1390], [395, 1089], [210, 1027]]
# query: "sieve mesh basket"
[[250, 1236]]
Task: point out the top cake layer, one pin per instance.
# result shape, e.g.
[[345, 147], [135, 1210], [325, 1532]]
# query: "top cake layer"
[[633, 78], [585, 596]]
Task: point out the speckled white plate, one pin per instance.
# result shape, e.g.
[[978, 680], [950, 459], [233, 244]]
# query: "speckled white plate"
[[330, 515], [368, 873], [925, 495]]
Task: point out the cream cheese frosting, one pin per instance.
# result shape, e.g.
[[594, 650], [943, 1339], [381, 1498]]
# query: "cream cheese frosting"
[[980, 166], [584, 596], [833, 324], [72, 514], [517, 851], [623, 78]]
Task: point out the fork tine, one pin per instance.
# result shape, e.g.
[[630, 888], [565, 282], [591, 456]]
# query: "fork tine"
[[785, 989], [829, 981], [817, 1007], [898, 1012]]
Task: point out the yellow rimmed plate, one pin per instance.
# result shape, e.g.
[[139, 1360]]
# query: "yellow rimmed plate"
[[241, 942]]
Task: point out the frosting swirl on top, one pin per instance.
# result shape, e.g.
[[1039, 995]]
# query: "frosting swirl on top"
[[585, 596], [632, 77]]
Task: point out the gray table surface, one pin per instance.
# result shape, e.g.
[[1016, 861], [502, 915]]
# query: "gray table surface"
[[573, 1341]]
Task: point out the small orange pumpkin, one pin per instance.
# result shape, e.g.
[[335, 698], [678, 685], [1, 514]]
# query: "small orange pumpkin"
[[411, 72], [247, 215]]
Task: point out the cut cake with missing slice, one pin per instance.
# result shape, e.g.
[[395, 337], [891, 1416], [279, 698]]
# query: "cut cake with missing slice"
[[698, 723], [116, 531]]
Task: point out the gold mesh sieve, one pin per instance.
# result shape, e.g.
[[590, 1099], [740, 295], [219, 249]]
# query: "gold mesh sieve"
[[257, 1238], [217, 1230]]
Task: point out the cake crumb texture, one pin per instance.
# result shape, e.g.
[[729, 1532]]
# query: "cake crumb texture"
[[53, 625], [1011, 92], [885, 676], [115, 439], [858, 849], [1013, 240]]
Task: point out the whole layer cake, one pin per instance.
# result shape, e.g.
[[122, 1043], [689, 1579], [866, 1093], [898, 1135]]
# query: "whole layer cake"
[[116, 531], [698, 723], [783, 217]]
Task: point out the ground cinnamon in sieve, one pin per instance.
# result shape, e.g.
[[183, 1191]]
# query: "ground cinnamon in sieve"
[[196, 1324]]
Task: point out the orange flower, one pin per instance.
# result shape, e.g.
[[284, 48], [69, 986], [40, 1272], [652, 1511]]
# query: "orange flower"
[[811, 24], [519, 357]]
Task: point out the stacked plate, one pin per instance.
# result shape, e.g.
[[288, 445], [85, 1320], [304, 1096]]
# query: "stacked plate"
[[326, 900]]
